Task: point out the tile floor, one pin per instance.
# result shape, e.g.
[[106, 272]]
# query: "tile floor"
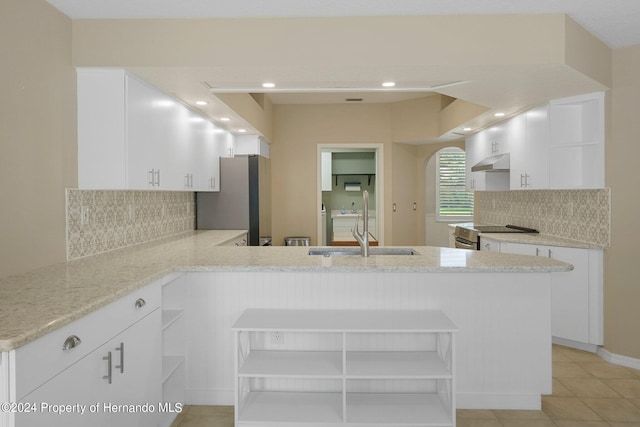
[[587, 392]]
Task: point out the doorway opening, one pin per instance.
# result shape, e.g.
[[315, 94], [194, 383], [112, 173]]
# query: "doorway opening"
[[344, 172]]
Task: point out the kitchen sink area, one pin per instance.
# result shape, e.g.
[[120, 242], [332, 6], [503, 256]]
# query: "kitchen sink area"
[[335, 251]]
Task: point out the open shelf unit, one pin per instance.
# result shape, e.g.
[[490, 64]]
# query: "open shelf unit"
[[344, 367], [173, 344], [576, 134]]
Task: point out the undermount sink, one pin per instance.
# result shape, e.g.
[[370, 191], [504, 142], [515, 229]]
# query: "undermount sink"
[[341, 250]]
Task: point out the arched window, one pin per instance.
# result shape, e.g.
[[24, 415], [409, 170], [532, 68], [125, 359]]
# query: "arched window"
[[453, 201]]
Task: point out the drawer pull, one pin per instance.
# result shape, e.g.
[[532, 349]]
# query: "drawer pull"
[[140, 303], [71, 342]]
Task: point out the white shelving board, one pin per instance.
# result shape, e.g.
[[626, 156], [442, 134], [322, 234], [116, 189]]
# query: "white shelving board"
[[377, 376], [344, 321]]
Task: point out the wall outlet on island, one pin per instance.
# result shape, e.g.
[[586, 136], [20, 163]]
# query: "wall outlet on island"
[[277, 338]]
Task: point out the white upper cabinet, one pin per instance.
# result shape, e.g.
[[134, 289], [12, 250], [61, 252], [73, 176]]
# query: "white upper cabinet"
[[131, 135], [530, 150], [577, 141], [252, 144], [559, 145], [487, 143]]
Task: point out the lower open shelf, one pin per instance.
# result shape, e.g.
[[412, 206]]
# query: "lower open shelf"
[[320, 409], [281, 407], [401, 409]]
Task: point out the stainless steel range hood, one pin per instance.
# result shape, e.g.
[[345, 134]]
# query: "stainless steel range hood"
[[497, 163]]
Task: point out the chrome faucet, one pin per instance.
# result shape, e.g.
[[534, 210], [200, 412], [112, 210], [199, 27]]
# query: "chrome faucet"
[[353, 207], [363, 238]]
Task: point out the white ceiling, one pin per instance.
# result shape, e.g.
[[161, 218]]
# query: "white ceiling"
[[615, 22]]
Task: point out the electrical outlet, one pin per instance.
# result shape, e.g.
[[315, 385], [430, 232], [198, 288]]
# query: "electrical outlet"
[[84, 215], [277, 338]]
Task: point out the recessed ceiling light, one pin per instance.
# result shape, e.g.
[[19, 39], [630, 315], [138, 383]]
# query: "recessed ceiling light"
[[201, 102], [388, 84], [268, 85], [499, 114], [242, 130], [466, 129], [224, 119]]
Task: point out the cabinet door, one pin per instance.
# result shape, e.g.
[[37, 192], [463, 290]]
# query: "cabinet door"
[[101, 129], [537, 154], [139, 381], [519, 248], [148, 122], [475, 150], [208, 158], [529, 146], [518, 154], [489, 245], [570, 295], [569, 290], [82, 384], [497, 139]]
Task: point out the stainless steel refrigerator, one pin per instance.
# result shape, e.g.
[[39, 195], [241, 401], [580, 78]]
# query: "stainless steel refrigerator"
[[244, 199]]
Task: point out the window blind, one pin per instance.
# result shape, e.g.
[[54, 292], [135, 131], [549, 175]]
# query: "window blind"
[[453, 201]]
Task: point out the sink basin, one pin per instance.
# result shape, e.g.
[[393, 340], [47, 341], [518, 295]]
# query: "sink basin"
[[355, 250]]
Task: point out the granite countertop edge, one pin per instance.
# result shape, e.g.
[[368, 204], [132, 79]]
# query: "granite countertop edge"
[[41, 301]]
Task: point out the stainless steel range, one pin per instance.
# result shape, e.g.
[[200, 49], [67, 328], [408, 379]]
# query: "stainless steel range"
[[469, 237]]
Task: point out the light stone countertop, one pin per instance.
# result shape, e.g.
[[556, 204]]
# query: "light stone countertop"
[[532, 238], [337, 214], [35, 303]]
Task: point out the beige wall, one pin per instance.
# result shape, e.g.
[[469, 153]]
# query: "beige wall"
[[298, 129], [37, 134], [622, 285]]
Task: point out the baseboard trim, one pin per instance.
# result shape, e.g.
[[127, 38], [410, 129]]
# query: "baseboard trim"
[[617, 359], [210, 397], [592, 348], [531, 402]]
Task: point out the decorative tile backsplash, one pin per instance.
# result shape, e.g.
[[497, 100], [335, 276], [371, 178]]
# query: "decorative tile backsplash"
[[582, 215], [102, 220]]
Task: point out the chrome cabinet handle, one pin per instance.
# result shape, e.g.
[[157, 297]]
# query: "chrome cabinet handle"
[[71, 342], [121, 365], [151, 177], [140, 303], [108, 359]]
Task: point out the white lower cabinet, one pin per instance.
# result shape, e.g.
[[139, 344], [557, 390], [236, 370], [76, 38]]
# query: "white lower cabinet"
[[238, 241], [100, 370], [489, 245], [576, 296], [344, 367]]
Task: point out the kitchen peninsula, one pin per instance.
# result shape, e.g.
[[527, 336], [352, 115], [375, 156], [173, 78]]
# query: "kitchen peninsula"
[[499, 303]]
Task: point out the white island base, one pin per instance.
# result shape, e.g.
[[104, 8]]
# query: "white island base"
[[503, 343]]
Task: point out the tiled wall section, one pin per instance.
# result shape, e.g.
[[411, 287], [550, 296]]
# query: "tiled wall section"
[[102, 220], [582, 215]]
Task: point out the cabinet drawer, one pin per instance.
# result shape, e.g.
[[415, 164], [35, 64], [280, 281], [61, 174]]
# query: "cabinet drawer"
[[43, 358]]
